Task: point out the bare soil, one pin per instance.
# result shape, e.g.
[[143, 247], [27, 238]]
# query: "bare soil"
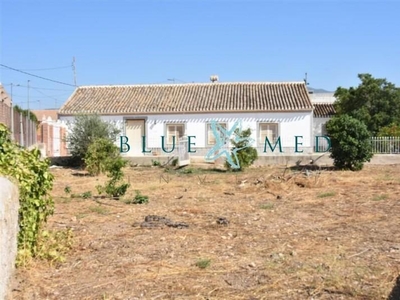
[[265, 233]]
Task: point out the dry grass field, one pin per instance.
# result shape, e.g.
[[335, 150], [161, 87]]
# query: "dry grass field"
[[285, 235]]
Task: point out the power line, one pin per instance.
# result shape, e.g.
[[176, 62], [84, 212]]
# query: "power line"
[[46, 69], [37, 87], [59, 82]]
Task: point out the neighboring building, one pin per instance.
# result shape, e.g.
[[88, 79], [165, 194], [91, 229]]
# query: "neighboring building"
[[5, 107], [51, 133], [324, 110], [269, 109], [23, 130]]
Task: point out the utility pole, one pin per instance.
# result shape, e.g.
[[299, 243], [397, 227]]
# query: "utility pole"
[[29, 120], [74, 69], [12, 114]]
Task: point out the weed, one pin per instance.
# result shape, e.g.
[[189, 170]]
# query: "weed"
[[67, 190], [327, 194], [139, 199], [203, 263], [98, 209], [380, 197], [87, 195], [155, 163], [267, 206], [174, 162], [81, 215], [53, 245]]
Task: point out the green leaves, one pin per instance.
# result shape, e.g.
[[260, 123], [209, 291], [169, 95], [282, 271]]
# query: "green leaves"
[[35, 182], [350, 141], [85, 130], [375, 102], [104, 157], [247, 155]]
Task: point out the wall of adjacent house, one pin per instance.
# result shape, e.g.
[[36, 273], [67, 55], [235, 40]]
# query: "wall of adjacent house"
[[318, 125], [24, 130], [50, 138], [319, 130]]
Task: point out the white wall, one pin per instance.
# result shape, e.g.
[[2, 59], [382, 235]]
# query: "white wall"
[[317, 125], [291, 124]]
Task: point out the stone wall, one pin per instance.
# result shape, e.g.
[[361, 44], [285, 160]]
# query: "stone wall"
[[9, 205]]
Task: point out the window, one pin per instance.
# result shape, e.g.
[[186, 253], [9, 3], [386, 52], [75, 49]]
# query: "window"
[[268, 130], [210, 134], [177, 130]]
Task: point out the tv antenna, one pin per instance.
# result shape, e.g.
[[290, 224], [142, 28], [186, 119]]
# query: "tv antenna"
[[305, 80]]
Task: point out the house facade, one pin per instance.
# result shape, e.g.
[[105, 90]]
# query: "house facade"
[[51, 133], [324, 110], [153, 118]]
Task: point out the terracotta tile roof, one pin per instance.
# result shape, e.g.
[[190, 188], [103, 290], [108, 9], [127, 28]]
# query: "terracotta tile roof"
[[323, 110], [188, 98], [53, 114]]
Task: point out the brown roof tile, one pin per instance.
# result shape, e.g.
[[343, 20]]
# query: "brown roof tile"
[[323, 110], [188, 98]]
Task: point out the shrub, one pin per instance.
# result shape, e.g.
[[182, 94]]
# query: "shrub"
[[104, 157], [34, 182], [242, 153], [203, 263], [100, 155], [85, 130], [350, 142], [155, 163], [392, 130], [139, 199]]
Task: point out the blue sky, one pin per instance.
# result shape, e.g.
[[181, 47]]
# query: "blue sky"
[[145, 42]]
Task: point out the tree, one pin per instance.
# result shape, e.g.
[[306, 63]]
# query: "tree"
[[375, 102], [85, 130], [392, 130], [350, 142], [242, 153]]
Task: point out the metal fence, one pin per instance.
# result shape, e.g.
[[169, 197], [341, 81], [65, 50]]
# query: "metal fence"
[[385, 145]]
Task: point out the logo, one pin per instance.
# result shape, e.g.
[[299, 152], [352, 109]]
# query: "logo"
[[222, 138]]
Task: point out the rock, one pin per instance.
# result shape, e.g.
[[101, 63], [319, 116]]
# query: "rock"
[[222, 221]]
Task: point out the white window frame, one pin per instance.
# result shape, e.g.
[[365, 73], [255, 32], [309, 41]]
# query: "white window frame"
[[177, 137], [209, 133], [261, 136]]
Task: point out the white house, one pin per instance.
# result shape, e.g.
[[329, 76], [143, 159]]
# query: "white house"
[[151, 114], [324, 110]]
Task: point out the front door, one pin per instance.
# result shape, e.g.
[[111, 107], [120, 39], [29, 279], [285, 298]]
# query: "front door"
[[134, 130]]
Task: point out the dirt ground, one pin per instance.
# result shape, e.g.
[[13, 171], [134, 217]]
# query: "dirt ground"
[[282, 235]]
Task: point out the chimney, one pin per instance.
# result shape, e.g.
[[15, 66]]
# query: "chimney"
[[213, 78]]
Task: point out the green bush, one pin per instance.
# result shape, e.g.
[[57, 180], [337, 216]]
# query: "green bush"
[[100, 155], [85, 130], [246, 155], [139, 199], [34, 182], [104, 157], [350, 142]]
